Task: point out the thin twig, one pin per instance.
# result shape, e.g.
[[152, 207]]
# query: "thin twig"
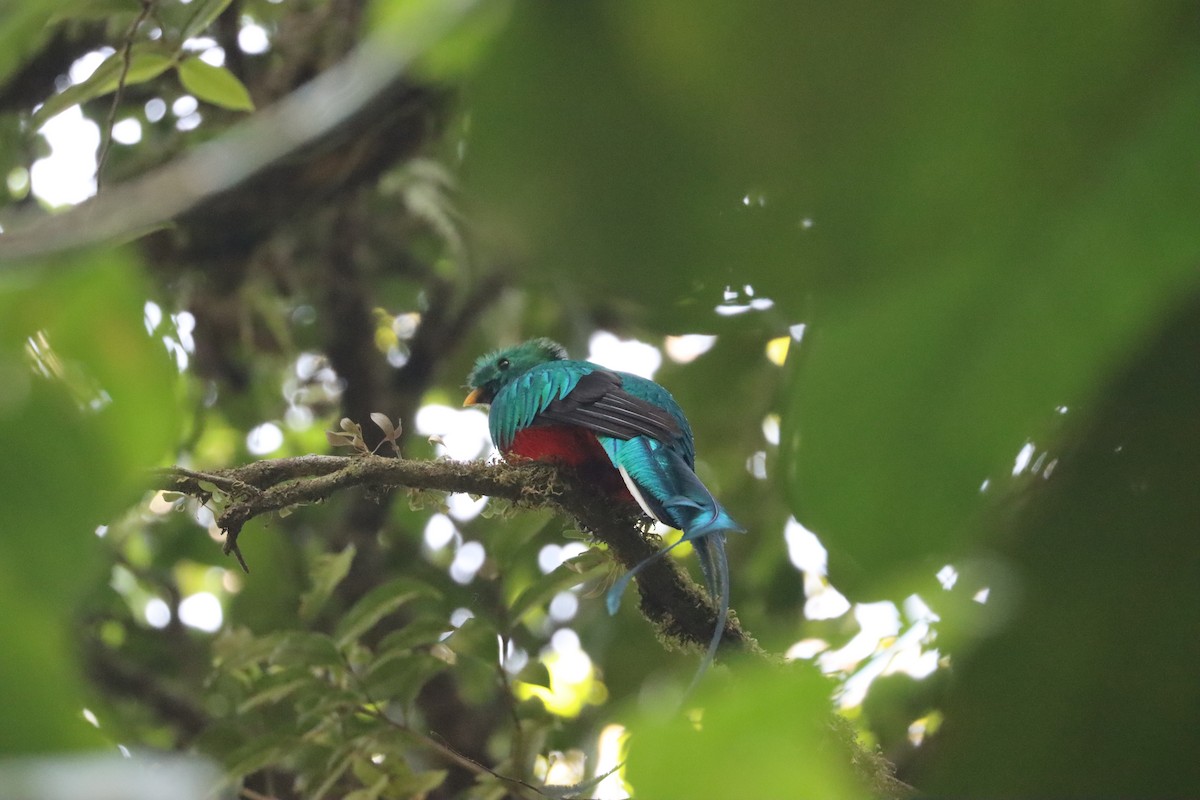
[[440, 746], [126, 62], [232, 486], [231, 548]]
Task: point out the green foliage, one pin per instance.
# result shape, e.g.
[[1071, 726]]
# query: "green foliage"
[[379, 602], [203, 13], [1106, 560], [981, 216], [215, 85], [333, 709], [802, 758], [587, 566], [23, 31], [327, 572], [77, 428], [317, 697], [1062, 238], [147, 60]]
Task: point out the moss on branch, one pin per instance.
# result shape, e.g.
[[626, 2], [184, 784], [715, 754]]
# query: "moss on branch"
[[680, 610]]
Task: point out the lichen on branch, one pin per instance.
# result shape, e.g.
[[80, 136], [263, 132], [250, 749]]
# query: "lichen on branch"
[[670, 600]]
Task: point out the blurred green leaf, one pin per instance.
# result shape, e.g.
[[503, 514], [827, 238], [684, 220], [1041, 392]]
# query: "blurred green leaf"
[[1009, 240], [204, 13], [675, 119], [270, 600], [973, 230], [418, 784], [327, 572], [475, 638], [216, 85], [147, 61], [725, 753], [371, 792], [398, 680], [78, 427], [39, 684], [459, 49], [236, 648], [306, 649], [377, 604], [88, 308], [591, 565], [415, 634], [396, 777], [93, 9], [1086, 684], [276, 687], [259, 753], [338, 766], [22, 31]]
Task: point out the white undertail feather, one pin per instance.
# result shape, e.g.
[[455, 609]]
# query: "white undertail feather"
[[713, 545], [637, 494]]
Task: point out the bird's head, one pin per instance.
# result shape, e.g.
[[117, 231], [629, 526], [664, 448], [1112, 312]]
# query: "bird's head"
[[496, 370]]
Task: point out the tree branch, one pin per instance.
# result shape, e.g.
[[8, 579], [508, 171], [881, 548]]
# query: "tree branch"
[[669, 599], [369, 76], [679, 609]]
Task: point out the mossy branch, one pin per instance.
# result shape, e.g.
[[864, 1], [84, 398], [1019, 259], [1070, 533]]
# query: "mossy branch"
[[670, 600], [677, 607]]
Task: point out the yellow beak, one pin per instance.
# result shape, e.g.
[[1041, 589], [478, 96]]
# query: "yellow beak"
[[473, 398]]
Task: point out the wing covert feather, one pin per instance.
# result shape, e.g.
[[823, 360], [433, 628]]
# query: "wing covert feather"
[[599, 402]]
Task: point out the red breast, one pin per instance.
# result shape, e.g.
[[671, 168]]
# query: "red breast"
[[573, 447]]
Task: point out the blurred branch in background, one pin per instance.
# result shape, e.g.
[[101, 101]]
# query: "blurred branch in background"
[[369, 83]]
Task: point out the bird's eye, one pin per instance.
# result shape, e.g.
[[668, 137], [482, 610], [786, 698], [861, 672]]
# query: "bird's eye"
[[503, 363]]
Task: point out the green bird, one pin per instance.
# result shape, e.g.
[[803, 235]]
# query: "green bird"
[[624, 433]]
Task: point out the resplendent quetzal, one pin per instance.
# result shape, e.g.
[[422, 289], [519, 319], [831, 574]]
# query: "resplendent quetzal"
[[625, 433]]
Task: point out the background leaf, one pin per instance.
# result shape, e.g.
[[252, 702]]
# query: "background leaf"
[[147, 61], [327, 573], [722, 754], [215, 85], [65, 403], [1006, 271], [205, 13], [1106, 557], [583, 568], [377, 604]]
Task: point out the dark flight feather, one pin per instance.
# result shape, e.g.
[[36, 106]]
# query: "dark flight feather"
[[600, 404]]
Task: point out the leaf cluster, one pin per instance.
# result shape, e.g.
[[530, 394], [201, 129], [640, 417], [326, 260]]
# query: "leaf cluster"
[[305, 701], [142, 59], [351, 435]]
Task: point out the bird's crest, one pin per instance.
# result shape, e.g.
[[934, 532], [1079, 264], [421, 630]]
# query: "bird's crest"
[[498, 368]]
